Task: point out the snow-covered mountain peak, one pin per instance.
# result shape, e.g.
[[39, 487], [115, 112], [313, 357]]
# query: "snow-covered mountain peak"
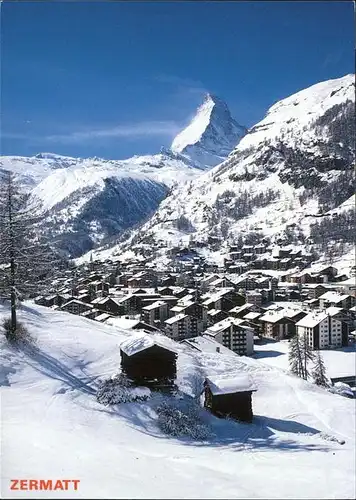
[[52, 156], [211, 135]]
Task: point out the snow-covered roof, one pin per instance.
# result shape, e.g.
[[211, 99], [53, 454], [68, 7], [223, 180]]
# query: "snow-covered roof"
[[332, 311], [76, 301], [204, 343], [98, 300], [210, 300], [311, 301], [230, 385], [214, 312], [318, 268], [350, 281], [140, 343], [177, 308], [226, 323], [187, 299], [238, 309], [262, 279], [291, 313], [103, 317], [216, 295], [126, 297], [252, 315], [272, 316], [154, 305], [333, 297], [312, 319], [174, 319], [220, 326], [50, 297]]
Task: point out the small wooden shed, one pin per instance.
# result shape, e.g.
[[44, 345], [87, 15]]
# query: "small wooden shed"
[[146, 361], [230, 396]]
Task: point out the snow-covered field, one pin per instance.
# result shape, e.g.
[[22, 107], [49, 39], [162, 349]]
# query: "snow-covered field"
[[53, 427], [338, 362]]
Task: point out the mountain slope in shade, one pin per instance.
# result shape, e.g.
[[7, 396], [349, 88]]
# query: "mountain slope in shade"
[[85, 201], [294, 165], [211, 135]]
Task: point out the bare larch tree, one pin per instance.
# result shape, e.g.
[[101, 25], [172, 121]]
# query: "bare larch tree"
[[26, 262]]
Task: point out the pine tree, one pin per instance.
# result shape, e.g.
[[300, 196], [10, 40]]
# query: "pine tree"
[[25, 262], [296, 357], [319, 371], [307, 354], [300, 353]]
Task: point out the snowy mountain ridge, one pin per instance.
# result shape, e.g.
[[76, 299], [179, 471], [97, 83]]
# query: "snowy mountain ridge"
[[295, 164], [86, 200]]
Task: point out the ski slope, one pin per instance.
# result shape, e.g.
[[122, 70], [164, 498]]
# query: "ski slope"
[[53, 428]]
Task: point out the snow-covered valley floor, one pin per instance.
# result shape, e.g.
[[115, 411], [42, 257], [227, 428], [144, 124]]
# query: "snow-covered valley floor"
[[338, 362], [53, 427]]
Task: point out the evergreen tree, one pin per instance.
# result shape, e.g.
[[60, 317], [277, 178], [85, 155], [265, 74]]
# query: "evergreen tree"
[[307, 353], [319, 371], [295, 357], [25, 262]]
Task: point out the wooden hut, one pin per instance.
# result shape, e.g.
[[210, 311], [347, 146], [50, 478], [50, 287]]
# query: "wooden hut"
[[148, 362], [230, 396]]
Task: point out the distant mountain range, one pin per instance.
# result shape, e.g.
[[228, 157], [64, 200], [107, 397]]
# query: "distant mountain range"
[[87, 201], [218, 180]]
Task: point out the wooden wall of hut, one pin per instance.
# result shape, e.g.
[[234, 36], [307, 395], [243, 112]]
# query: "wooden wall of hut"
[[153, 366], [237, 405]]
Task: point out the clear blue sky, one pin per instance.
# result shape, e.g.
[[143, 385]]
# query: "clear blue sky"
[[114, 79]]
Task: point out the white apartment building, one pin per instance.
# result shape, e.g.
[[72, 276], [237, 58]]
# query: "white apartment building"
[[181, 326], [155, 313], [234, 334], [323, 330]]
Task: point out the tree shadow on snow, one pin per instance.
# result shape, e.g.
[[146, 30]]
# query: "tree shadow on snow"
[[51, 367], [24, 308]]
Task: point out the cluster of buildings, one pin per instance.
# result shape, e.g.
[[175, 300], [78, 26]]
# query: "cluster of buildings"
[[261, 256], [233, 309]]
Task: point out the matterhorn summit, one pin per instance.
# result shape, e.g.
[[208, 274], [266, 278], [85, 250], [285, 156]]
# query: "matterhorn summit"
[[211, 135]]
